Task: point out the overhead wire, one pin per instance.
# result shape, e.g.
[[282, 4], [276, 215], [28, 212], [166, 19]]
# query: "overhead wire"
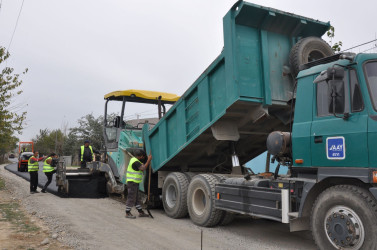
[[375, 47], [15, 27], [359, 45]]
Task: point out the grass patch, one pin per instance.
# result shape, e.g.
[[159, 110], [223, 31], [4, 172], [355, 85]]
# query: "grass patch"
[[2, 184], [12, 213]]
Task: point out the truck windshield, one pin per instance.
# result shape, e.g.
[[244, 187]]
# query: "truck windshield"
[[370, 69]]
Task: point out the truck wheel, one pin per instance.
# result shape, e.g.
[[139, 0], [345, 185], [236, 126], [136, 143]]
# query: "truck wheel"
[[189, 175], [201, 201], [307, 50], [345, 217], [226, 219], [174, 195]]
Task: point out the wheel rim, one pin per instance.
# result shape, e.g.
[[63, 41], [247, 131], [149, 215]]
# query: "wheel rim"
[[171, 196], [344, 228], [315, 55], [199, 201]]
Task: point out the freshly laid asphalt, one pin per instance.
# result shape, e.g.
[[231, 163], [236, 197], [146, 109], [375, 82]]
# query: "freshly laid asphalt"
[[78, 189], [42, 178]]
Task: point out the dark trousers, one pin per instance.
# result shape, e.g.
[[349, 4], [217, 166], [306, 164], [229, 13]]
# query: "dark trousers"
[[83, 164], [33, 181], [49, 178], [133, 196]]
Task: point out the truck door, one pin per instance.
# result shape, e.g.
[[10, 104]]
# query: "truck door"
[[336, 141], [370, 70]]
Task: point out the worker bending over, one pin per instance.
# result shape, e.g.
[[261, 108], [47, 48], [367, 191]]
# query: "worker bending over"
[[33, 167], [49, 170], [134, 177]]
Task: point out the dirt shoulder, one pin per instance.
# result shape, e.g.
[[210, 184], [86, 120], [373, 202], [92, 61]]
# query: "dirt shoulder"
[[18, 228]]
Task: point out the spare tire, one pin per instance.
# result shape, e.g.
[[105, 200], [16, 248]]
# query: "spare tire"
[[307, 50]]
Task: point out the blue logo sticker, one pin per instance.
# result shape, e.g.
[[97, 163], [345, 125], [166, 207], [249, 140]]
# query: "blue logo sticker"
[[335, 148]]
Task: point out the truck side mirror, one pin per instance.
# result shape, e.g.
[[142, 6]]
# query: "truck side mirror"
[[335, 73], [336, 97], [335, 76]]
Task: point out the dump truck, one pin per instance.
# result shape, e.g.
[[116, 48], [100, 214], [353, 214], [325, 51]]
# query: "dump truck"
[[278, 87]]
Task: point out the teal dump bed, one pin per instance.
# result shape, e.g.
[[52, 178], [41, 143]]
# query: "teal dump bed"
[[246, 87]]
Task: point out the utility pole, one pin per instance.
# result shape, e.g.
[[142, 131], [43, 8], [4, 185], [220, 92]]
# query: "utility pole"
[[56, 139]]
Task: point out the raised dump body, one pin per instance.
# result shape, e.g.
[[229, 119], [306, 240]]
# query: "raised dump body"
[[242, 96]]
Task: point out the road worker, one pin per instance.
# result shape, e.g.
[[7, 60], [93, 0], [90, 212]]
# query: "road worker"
[[133, 178], [86, 153], [48, 170], [33, 167]]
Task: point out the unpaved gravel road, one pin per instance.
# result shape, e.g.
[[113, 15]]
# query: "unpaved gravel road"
[[100, 224]]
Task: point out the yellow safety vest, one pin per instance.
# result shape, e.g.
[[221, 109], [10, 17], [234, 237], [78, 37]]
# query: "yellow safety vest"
[[47, 167], [82, 152], [32, 166], [132, 175]]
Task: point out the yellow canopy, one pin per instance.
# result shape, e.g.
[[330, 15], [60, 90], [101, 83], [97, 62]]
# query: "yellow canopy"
[[142, 94]]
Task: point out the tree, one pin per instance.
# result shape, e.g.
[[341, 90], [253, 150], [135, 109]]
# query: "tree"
[[331, 34], [49, 141], [12, 118], [90, 128], [71, 144]]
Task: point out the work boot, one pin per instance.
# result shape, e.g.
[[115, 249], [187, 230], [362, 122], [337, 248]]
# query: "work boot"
[[43, 191], [142, 214], [130, 216]]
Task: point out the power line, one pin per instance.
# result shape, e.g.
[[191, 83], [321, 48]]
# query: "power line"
[[359, 45], [15, 27], [1, 5], [369, 49]]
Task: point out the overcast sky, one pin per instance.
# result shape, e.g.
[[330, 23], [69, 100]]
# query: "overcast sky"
[[77, 51]]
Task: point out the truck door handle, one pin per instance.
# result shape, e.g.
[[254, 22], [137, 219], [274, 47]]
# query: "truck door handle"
[[318, 139]]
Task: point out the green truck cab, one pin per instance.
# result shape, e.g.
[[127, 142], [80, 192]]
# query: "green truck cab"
[[315, 124]]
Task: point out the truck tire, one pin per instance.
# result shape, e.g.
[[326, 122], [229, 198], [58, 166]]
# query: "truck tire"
[[174, 195], [307, 50], [201, 201], [345, 217], [227, 218], [189, 175]]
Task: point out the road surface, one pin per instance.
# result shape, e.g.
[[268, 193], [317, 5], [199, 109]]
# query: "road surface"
[[99, 223], [42, 179]]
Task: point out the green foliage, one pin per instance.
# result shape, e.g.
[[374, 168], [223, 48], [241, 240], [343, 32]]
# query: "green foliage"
[[12, 119], [49, 141], [90, 128], [71, 144], [331, 34], [2, 184]]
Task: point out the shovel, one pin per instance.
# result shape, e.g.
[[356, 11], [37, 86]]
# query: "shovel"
[[149, 192]]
